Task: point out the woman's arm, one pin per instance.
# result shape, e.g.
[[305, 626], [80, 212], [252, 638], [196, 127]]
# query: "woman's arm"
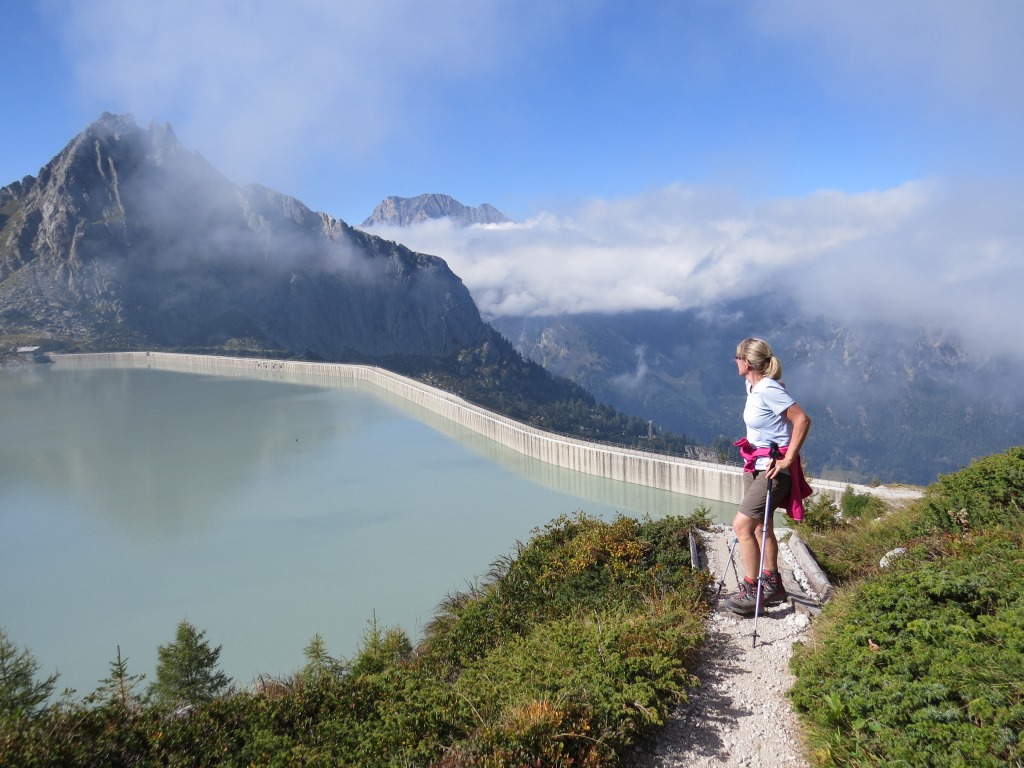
[[801, 425]]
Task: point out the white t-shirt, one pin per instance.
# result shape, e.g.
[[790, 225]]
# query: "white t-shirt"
[[766, 402]]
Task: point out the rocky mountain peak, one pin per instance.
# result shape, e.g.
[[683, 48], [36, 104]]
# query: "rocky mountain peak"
[[405, 211], [127, 238]]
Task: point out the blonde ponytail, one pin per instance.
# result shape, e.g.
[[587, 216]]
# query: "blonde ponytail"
[[759, 357]]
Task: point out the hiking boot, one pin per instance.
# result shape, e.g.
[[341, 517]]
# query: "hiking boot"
[[774, 593], [744, 601]]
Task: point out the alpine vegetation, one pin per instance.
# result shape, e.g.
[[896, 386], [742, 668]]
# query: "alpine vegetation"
[[565, 653]]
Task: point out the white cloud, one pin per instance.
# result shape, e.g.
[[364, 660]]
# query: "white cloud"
[[923, 252], [268, 83], [633, 379]]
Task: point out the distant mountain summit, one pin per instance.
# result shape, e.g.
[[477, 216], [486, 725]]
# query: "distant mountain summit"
[[403, 211]]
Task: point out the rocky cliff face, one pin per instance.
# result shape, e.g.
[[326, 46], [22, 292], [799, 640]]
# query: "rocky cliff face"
[[403, 211], [127, 239]]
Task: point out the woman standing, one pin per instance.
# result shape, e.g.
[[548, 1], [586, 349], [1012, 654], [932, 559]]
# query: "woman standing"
[[771, 416]]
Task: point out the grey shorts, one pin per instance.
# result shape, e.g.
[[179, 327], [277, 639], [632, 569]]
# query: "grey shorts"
[[757, 489]]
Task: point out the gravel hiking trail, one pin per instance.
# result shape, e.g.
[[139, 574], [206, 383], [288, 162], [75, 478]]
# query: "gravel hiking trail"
[[740, 715]]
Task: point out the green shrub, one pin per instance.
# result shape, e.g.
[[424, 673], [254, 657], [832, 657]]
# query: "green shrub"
[[923, 665], [667, 544], [821, 514], [852, 550], [579, 689], [988, 492], [856, 505], [574, 562], [69, 735], [568, 651]]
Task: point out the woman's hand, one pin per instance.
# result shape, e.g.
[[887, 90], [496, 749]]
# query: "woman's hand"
[[780, 465]]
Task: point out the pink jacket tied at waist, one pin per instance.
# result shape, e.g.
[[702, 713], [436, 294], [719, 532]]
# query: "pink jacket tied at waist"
[[799, 488]]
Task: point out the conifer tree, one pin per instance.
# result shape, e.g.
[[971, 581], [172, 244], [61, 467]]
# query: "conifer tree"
[[319, 663], [186, 671], [20, 692], [119, 687]]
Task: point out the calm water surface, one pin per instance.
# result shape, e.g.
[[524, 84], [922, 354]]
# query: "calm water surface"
[[263, 512]]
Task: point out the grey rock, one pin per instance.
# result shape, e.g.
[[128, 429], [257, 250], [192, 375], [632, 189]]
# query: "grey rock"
[[891, 555]]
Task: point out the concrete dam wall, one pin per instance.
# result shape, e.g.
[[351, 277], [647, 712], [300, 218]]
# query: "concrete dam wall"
[[718, 482]]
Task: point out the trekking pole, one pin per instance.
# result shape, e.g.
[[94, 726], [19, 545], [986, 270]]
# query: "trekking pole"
[[774, 454], [725, 571]]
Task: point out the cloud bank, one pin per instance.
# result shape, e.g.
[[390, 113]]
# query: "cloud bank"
[[922, 253]]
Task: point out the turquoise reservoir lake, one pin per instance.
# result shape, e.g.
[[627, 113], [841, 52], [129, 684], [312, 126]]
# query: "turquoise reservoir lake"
[[263, 512]]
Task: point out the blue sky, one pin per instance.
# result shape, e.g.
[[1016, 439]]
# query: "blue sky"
[[658, 154]]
